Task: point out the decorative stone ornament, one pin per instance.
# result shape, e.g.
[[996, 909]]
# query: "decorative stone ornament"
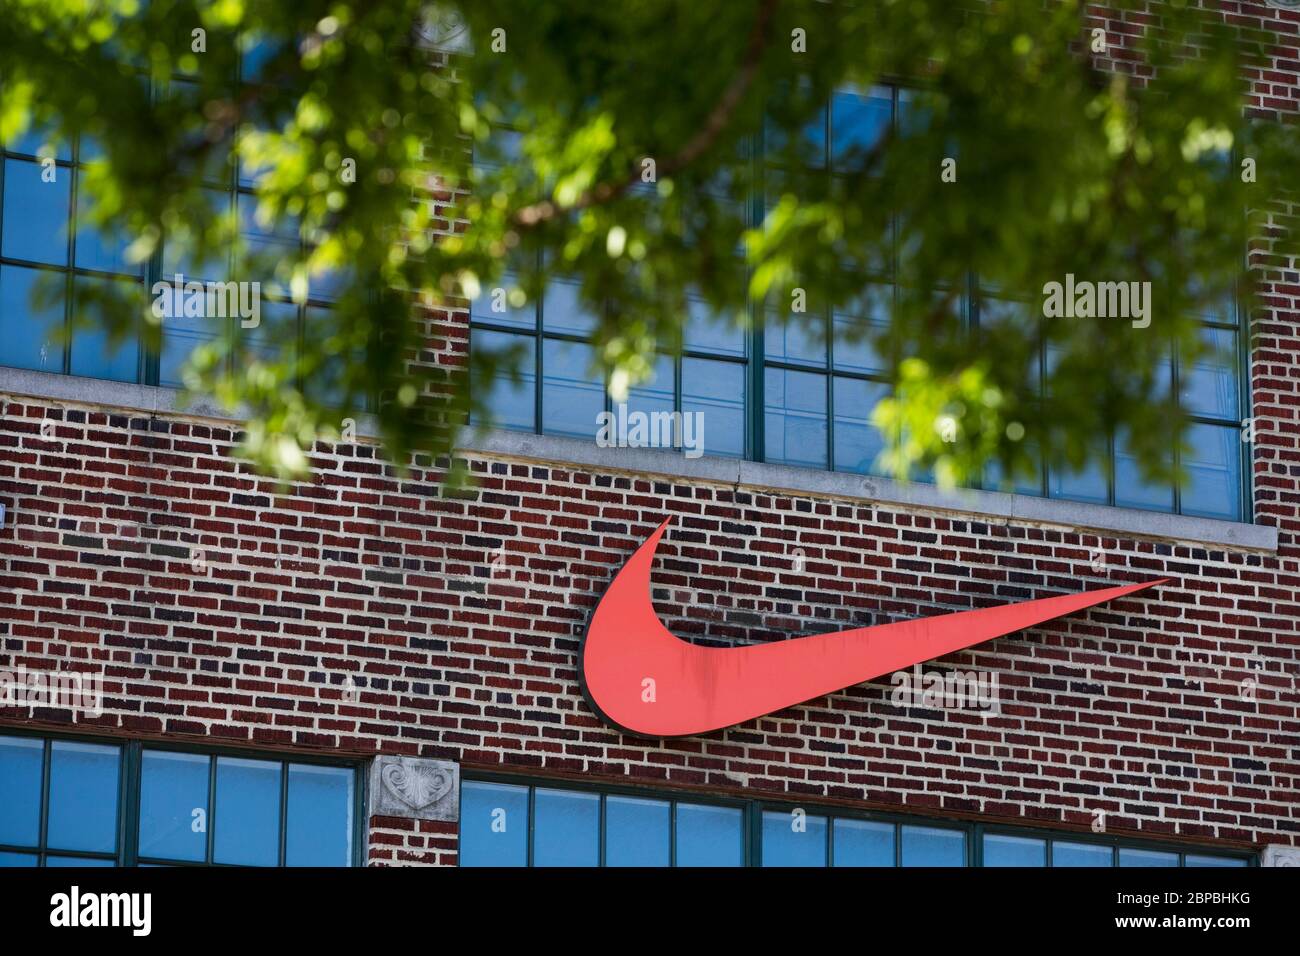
[[1279, 854], [1284, 4], [415, 788], [442, 28]]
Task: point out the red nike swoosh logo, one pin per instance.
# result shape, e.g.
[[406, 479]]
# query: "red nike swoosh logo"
[[699, 689]]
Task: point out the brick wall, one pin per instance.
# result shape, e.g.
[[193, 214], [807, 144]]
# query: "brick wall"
[[363, 613], [457, 617]]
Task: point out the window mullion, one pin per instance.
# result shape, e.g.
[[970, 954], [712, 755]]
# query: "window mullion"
[[69, 281], [284, 811], [210, 821], [47, 754], [129, 806]]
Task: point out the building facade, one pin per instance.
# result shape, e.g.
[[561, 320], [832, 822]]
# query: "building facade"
[[371, 668]]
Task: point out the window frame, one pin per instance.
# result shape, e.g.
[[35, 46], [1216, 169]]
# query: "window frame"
[[753, 808], [130, 766], [969, 301], [671, 797], [231, 185], [70, 271]]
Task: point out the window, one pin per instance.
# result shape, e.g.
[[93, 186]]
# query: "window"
[[92, 803], [556, 392], [514, 822], [45, 236], [52, 262], [1208, 390], [802, 394]]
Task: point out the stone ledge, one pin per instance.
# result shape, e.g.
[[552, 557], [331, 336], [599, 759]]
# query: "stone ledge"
[[989, 506], [670, 465]]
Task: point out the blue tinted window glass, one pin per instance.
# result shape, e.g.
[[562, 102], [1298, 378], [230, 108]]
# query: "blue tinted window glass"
[[275, 337], [857, 330], [214, 163], [264, 246], [90, 148], [1209, 385], [573, 394], [31, 333], [251, 171], [656, 393], [330, 283], [318, 824], [1024, 484], [257, 53], [94, 353], [717, 391], [493, 824], [173, 805], [1131, 857], [83, 797], [636, 832], [1134, 491], [182, 334], [1213, 468], [36, 212], [1221, 307], [103, 249], [793, 839], [857, 442], [512, 403], [1025, 318], [933, 846], [811, 147], [1002, 850], [563, 311], [859, 120], [246, 820], [709, 836], [566, 828], [1087, 484], [1193, 859], [916, 109], [503, 304], [21, 759], [707, 332], [504, 145], [76, 861], [862, 843], [180, 255], [41, 140], [328, 383], [17, 859], [1083, 484], [794, 420], [1081, 854], [795, 338]]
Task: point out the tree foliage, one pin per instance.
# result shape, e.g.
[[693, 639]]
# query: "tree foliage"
[[1064, 164]]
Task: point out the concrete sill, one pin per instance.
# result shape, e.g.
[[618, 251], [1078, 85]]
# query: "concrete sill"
[[666, 464]]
